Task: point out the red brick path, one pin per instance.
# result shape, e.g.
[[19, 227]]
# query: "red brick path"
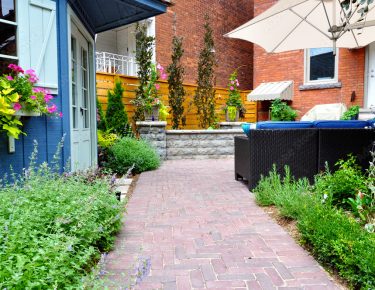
[[199, 228]]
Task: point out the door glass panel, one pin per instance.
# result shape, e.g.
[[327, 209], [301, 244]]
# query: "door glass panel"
[[85, 103], [74, 82], [8, 39], [7, 11]]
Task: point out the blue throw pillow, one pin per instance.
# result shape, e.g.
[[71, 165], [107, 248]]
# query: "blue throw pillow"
[[247, 127], [284, 125], [335, 124]]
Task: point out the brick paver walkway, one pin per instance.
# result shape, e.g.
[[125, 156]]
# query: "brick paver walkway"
[[196, 227]]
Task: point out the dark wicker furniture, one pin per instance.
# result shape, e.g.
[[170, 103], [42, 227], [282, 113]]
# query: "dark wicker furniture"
[[305, 151]]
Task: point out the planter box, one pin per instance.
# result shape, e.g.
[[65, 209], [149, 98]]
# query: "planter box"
[[22, 113]]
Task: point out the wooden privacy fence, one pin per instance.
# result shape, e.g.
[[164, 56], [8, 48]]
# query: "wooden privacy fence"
[[105, 82]]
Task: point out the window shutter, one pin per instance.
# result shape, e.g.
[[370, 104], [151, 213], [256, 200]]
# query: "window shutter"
[[38, 40]]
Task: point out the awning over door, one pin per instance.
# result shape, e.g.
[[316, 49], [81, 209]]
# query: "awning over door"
[[102, 15], [271, 91]]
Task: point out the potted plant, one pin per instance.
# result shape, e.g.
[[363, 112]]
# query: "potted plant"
[[152, 102], [351, 114], [19, 97], [234, 108], [281, 111]]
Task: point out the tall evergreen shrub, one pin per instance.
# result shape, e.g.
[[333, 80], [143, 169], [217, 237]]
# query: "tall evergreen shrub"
[[144, 51], [116, 116], [175, 83], [204, 98]]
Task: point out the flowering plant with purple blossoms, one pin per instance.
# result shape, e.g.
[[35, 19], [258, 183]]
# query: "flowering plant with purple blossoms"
[[17, 93]]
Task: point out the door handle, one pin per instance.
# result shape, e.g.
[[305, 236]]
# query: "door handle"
[[81, 109]]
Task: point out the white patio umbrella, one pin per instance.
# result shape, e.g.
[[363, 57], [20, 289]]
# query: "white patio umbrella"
[[299, 24]]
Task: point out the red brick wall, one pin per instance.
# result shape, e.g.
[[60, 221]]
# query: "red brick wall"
[[290, 66], [225, 16]]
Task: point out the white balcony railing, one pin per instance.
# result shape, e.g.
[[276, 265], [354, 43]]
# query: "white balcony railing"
[[114, 63]]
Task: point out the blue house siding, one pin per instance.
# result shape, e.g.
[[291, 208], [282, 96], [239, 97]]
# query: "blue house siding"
[[47, 131], [64, 81]]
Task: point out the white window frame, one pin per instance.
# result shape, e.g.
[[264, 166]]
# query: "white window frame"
[[324, 81], [14, 23]]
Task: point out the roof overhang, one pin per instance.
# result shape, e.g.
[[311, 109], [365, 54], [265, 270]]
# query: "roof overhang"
[[271, 91], [102, 15]]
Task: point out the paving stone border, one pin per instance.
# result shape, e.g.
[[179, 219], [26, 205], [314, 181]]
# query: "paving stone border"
[[189, 144]]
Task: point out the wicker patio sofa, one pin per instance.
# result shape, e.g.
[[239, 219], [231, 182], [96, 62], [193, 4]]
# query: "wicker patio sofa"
[[305, 151]]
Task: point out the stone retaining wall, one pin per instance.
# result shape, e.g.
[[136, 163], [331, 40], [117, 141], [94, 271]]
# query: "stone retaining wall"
[[189, 144]]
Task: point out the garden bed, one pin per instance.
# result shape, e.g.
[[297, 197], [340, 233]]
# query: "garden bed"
[[54, 229], [338, 237]]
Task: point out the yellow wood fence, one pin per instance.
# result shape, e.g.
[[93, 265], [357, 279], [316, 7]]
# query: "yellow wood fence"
[[105, 82]]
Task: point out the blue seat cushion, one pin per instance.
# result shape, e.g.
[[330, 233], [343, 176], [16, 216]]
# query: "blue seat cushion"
[[371, 123], [341, 124], [284, 125]]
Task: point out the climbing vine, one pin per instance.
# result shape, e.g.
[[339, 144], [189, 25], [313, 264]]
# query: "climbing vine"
[[204, 98], [175, 83], [144, 51]]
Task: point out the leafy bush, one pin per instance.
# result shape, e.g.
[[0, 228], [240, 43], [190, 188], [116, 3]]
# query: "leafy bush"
[[337, 240], [116, 116], [344, 183], [280, 111], [53, 229], [351, 114], [128, 152]]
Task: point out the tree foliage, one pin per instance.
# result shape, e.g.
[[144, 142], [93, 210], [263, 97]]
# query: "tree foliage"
[[175, 83], [204, 98], [144, 51], [116, 116]]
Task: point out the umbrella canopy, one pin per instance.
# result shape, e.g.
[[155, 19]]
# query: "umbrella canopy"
[[300, 24]]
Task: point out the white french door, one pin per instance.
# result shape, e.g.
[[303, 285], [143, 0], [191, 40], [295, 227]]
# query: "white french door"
[[370, 102], [80, 101]]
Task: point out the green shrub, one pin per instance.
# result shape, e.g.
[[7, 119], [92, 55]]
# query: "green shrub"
[[53, 229], [116, 116], [351, 114], [106, 139], [280, 111], [336, 239], [343, 184], [129, 152]]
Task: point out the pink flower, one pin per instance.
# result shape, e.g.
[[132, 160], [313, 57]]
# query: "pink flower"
[[231, 88], [10, 78], [17, 106], [160, 67], [47, 98], [32, 97], [237, 83], [164, 76], [60, 114], [32, 76], [52, 109], [232, 82], [157, 86], [15, 68]]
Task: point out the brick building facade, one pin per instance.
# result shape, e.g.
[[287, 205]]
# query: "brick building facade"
[[188, 17], [291, 66]]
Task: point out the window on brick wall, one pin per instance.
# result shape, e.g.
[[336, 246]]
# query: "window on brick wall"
[[8, 35], [321, 65]]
